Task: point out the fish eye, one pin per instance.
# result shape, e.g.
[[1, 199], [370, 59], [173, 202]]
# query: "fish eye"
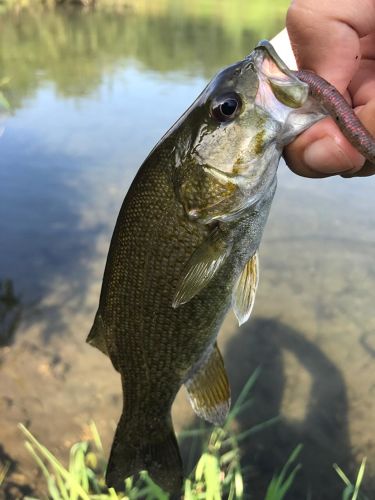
[[226, 107]]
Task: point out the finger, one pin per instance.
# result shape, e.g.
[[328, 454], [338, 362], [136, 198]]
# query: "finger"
[[367, 170], [362, 86], [322, 151], [326, 39], [329, 41], [367, 117]]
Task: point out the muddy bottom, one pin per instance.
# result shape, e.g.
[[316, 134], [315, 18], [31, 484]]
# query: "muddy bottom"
[[312, 334]]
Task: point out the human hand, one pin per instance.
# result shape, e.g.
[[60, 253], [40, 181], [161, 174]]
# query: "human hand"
[[337, 41]]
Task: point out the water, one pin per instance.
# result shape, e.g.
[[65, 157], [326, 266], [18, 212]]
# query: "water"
[[91, 93]]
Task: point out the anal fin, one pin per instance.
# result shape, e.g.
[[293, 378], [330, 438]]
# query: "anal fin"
[[208, 388], [245, 289]]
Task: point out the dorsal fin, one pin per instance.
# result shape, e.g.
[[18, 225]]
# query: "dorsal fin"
[[208, 388]]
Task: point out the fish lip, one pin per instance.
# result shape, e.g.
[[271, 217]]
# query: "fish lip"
[[263, 49]]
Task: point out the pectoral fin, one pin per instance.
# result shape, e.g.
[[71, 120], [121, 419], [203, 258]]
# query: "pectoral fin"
[[96, 336], [245, 289], [209, 390], [202, 266]]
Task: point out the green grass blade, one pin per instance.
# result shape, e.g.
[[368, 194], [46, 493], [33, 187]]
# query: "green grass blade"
[[61, 486], [113, 495], [359, 480], [96, 436], [188, 493], [238, 484], [211, 476], [288, 482], [237, 410], [37, 459], [258, 428], [3, 472], [281, 483], [72, 483], [243, 395], [53, 489], [192, 433], [77, 465], [293, 455], [342, 475], [348, 492]]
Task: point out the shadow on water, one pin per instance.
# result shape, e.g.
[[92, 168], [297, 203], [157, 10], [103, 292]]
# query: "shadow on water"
[[321, 425], [323, 430]]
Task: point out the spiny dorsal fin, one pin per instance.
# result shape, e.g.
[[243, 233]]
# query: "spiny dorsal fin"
[[96, 336], [209, 390], [245, 289], [202, 266]]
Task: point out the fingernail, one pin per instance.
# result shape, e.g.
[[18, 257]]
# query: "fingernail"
[[326, 155]]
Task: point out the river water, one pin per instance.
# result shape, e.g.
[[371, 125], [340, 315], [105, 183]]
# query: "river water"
[[90, 94]]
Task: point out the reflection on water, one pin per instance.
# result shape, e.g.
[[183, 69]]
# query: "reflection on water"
[[76, 51], [91, 93]]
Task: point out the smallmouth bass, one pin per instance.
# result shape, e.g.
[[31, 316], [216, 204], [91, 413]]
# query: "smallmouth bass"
[[184, 250]]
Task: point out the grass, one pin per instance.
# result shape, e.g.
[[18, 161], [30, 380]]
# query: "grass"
[[3, 472], [352, 491], [218, 473], [281, 483]]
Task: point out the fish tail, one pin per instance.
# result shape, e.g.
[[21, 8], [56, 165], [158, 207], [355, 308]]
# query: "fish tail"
[[160, 456]]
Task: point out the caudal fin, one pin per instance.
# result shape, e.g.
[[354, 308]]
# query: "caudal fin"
[[160, 458]]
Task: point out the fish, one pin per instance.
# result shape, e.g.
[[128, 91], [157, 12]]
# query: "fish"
[[185, 250]]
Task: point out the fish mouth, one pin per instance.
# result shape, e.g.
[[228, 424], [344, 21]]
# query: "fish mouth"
[[268, 61], [272, 71]]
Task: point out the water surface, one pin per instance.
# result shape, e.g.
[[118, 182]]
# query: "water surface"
[[91, 93]]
